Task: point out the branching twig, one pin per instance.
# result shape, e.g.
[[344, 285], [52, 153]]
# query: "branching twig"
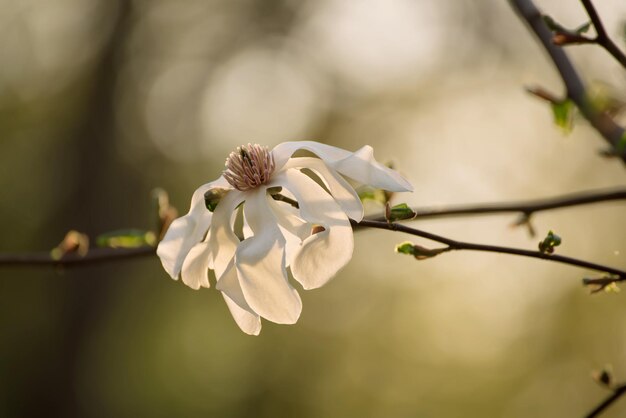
[[461, 245], [576, 91], [602, 38], [525, 208], [565, 37], [109, 254], [602, 283], [93, 256], [617, 393]]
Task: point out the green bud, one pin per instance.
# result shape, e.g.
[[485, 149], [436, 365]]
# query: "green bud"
[[547, 245], [399, 212], [583, 28], [213, 196], [417, 251], [563, 113], [405, 248], [552, 24]]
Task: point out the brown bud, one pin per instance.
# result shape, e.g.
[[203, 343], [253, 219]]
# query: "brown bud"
[[73, 242]]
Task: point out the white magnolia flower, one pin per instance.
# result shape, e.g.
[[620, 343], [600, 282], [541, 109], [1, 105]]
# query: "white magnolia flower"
[[314, 241]]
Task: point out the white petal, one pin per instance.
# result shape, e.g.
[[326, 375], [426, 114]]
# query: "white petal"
[[249, 323], [363, 167], [260, 263], [228, 283], [196, 266], [248, 320], [246, 230], [186, 231], [343, 193], [322, 254], [292, 227], [222, 239], [360, 166], [283, 152]]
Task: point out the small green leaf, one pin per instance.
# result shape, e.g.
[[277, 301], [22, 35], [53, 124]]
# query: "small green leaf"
[[406, 247], [547, 245], [563, 113], [552, 24], [399, 212], [583, 28], [126, 238]]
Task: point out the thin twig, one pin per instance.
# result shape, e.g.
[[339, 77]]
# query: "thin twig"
[[602, 38], [570, 38], [576, 91], [617, 393], [462, 245], [93, 256], [99, 255], [601, 283], [526, 208]]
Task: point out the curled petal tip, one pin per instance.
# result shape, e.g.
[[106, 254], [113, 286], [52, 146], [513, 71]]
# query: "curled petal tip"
[[408, 187]]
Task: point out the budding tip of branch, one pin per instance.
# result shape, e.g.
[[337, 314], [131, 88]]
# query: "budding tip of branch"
[[560, 39]]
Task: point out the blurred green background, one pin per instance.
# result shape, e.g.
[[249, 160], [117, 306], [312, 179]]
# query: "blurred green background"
[[101, 101]]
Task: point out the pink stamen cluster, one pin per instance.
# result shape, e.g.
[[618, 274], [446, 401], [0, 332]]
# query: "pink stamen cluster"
[[249, 166]]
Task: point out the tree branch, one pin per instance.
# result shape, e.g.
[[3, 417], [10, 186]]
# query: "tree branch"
[[461, 245], [602, 38], [617, 393], [576, 91], [525, 208], [100, 255], [93, 256]]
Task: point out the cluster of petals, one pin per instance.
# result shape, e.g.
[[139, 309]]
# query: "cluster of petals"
[[314, 240]]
